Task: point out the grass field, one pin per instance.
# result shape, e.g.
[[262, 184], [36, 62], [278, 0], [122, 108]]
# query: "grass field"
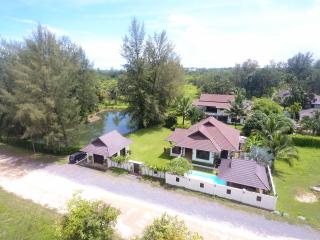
[[295, 180], [38, 157], [23, 219], [148, 146], [191, 91]]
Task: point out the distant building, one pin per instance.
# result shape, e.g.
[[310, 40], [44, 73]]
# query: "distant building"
[[216, 105]]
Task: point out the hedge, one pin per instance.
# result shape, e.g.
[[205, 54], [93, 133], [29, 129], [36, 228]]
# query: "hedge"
[[40, 147], [306, 141]]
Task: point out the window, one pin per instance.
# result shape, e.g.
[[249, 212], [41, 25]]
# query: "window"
[[228, 191], [259, 198], [201, 185], [176, 150], [211, 109], [177, 179], [203, 155]]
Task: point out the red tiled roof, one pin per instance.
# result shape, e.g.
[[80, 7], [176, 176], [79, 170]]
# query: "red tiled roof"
[[107, 144], [208, 135], [308, 112], [244, 172], [215, 100]]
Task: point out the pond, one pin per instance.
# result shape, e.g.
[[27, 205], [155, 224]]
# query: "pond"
[[108, 121]]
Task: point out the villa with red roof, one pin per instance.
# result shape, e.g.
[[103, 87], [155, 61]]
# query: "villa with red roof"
[[105, 147], [216, 105], [205, 143]]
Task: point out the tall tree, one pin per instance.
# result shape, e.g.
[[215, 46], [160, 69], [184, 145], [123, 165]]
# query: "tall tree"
[[51, 79], [153, 75], [300, 66]]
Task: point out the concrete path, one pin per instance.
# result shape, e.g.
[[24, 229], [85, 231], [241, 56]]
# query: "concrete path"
[[52, 185]]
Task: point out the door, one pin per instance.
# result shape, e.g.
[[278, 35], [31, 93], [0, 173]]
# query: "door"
[[98, 159], [224, 154], [136, 168]]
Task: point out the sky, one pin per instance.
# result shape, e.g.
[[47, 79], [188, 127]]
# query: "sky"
[[205, 33]]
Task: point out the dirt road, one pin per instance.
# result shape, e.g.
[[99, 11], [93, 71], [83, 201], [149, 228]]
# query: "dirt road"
[[53, 184]]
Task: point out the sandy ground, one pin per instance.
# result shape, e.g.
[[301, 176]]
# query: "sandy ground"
[[52, 185]]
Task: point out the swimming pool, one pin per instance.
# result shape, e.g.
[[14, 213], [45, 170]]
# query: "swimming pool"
[[208, 177]]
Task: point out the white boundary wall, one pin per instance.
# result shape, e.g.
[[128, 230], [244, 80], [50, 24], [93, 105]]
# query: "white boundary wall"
[[241, 195], [144, 170]]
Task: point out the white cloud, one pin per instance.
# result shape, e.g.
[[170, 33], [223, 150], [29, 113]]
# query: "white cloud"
[[103, 51]]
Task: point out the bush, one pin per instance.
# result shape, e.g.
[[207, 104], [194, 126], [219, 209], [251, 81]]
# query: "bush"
[[120, 159], [88, 220], [168, 228], [170, 121], [179, 166], [306, 141], [196, 115]]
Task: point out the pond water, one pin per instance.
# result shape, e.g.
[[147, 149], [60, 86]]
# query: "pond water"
[[108, 121]]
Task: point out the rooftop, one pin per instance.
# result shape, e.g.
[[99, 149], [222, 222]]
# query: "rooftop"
[[107, 144], [215, 100], [244, 172], [207, 135]]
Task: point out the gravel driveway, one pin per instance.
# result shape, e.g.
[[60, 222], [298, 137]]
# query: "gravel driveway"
[[53, 184]]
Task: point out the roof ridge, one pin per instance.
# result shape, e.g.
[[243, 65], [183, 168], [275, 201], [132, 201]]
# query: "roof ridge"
[[259, 176], [221, 132], [215, 144]]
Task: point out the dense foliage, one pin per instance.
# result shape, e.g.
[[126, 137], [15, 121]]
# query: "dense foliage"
[[179, 166], [88, 220], [153, 75], [169, 228], [311, 124], [47, 89]]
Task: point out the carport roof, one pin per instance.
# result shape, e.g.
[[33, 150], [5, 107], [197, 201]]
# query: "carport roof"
[[107, 144]]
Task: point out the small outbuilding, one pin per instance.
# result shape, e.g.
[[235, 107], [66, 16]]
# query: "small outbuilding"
[[105, 147], [247, 174]]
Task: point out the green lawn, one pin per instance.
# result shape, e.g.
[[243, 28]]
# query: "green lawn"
[[191, 91], [23, 219], [148, 146], [297, 179]]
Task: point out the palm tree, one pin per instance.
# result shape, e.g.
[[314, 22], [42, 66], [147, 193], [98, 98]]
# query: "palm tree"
[[275, 137], [183, 106], [236, 111]]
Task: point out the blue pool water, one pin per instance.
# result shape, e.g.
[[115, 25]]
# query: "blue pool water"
[[208, 176]]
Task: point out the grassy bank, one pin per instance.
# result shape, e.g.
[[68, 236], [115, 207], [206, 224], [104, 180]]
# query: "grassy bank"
[[23, 219]]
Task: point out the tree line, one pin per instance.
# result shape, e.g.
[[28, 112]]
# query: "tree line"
[[299, 74], [47, 89]]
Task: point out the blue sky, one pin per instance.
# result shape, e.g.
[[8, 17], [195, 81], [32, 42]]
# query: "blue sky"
[[206, 33]]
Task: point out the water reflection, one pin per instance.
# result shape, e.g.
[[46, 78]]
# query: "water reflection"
[[108, 121]]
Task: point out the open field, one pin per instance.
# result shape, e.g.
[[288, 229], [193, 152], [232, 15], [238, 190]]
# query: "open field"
[[296, 181], [23, 219]]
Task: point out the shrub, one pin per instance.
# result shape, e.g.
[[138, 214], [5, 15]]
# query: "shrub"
[[88, 220], [306, 141], [170, 121], [120, 159], [179, 166], [196, 115], [168, 228]]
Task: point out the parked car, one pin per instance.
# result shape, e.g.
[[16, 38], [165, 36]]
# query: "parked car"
[[76, 157]]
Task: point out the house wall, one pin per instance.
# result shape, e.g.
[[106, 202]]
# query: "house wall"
[[194, 156], [241, 195]]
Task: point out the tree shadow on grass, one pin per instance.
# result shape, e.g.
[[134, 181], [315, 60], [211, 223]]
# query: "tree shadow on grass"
[[165, 156], [279, 174]]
